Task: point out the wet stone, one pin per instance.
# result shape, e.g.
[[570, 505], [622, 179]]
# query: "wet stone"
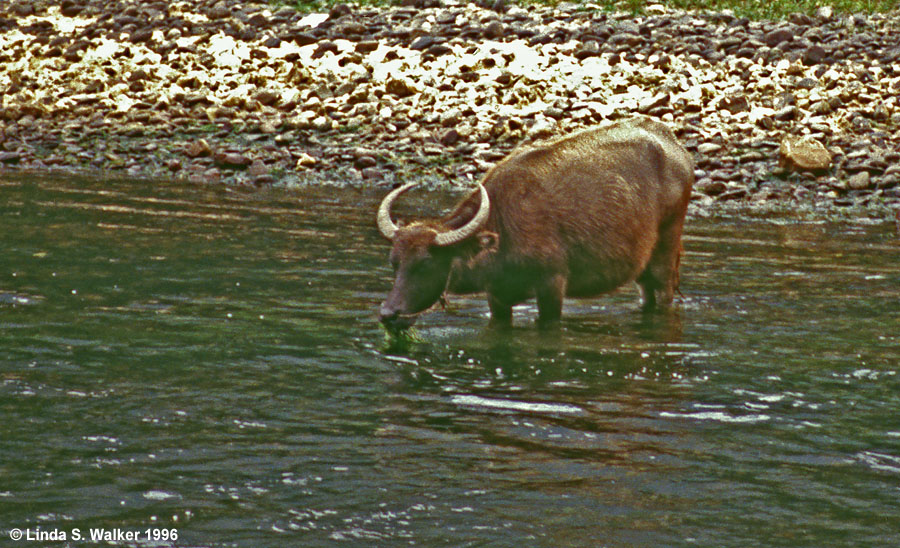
[[735, 104], [304, 38], [350, 29], [23, 9], [70, 8]]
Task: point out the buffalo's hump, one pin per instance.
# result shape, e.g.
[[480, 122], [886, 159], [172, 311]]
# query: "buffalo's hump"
[[598, 196]]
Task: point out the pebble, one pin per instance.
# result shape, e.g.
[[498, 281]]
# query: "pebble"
[[231, 160], [708, 148], [450, 137], [198, 148], [814, 55], [400, 87], [790, 112], [859, 181], [494, 30]]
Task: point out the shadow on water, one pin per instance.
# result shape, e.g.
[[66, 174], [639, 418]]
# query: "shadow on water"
[[209, 360]]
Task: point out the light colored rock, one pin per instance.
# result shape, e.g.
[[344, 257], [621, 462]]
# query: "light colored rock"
[[860, 181], [804, 154], [305, 161], [708, 148]]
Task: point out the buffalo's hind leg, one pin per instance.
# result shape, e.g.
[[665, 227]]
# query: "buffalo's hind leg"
[[550, 296], [659, 280]]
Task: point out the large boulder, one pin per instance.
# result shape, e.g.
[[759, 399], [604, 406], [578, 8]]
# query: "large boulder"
[[804, 154]]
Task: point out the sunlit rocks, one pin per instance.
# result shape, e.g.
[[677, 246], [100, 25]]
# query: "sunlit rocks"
[[449, 89]]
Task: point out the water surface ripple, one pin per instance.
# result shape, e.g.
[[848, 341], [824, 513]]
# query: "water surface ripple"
[[208, 360]]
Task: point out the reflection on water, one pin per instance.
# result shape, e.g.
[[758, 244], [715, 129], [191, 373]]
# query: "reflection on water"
[[209, 360]]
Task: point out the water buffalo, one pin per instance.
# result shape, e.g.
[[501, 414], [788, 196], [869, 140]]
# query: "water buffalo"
[[577, 217]]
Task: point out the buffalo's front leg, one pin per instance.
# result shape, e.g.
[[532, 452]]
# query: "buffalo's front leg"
[[501, 312], [550, 296]]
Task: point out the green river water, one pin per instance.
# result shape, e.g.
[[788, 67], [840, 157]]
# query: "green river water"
[[207, 362]]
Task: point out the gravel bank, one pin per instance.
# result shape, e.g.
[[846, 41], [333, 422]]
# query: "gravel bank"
[[235, 91]]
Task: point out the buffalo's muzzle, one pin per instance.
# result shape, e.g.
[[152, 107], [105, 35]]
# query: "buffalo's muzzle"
[[393, 319]]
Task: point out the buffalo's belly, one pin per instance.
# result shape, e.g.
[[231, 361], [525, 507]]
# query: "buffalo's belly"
[[514, 285], [598, 278]]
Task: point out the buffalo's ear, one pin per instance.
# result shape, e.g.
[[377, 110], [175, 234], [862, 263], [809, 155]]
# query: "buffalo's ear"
[[489, 241], [464, 212], [461, 216]]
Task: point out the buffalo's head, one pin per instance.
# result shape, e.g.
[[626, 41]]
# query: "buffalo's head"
[[422, 257]]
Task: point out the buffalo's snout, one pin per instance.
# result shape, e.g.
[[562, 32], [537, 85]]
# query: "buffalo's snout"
[[393, 319]]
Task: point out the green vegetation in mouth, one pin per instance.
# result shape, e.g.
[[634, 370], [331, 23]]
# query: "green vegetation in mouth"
[[399, 340]]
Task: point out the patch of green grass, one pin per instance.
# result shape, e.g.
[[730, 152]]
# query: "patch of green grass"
[[754, 9], [349, 128], [766, 9]]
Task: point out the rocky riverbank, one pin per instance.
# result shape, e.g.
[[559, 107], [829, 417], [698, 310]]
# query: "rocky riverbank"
[[806, 109]]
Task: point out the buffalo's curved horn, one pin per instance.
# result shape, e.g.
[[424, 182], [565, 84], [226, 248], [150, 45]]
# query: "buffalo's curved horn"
[[463, 232], [385, 224]]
